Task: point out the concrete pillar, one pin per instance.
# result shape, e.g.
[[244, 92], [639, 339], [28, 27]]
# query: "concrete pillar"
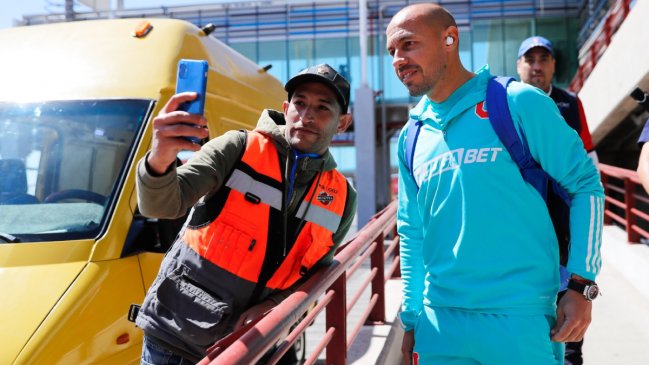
[[69, 10], [365, 143]]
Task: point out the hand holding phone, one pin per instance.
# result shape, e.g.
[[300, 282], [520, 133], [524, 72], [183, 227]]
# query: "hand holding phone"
[[192, 76]]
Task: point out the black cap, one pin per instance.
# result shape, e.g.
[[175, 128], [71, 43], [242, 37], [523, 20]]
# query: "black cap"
[[325, 74]]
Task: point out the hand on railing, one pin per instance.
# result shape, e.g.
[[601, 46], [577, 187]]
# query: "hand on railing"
[[254, 313]]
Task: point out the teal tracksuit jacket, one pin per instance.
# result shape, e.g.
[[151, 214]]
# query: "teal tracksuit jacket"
[[474, 235]]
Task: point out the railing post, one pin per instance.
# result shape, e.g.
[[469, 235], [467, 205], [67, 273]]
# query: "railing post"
[[397, 251], [629, 202], [594, 49], [337, 318], [626, 7], [607, 220], [607, 30], [378, 282]]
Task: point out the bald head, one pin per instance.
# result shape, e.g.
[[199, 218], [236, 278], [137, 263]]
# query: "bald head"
[[423, 41], [432, 15]]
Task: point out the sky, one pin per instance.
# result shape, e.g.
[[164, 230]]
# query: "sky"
[[11, 10]]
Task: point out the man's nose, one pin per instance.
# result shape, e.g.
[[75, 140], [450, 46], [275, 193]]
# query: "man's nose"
[[307, 115], [398, 60]]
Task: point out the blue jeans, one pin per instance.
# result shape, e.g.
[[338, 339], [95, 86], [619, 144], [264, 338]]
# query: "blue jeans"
[[154, 354]]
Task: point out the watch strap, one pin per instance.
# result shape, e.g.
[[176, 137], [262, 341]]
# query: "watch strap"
[[577, 286], [589, 290]]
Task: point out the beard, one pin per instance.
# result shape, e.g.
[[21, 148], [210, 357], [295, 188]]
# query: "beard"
[[427, 84], [419, 90]]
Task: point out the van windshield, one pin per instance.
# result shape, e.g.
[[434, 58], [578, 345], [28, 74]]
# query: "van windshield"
[[61, 163]]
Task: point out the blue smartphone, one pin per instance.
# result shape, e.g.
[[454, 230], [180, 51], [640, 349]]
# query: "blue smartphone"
[[192, 76]]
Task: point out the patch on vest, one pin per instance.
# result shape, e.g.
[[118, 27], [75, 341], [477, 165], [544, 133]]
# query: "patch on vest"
[[325, 198]]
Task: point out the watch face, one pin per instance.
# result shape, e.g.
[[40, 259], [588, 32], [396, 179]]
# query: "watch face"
[[592, 291]]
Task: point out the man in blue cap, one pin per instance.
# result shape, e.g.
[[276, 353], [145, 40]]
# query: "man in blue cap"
[[535, 66]]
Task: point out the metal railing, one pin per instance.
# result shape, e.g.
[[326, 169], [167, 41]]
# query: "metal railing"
[[325, 290], [592, 49], [626, 201], [625, 205]]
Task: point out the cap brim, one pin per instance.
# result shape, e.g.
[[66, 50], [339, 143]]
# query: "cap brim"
[[300, 79], [536, 46]]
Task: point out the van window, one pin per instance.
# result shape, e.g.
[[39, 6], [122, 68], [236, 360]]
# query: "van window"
[[61, 163]]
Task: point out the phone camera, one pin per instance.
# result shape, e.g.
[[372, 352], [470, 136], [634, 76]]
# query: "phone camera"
[[182, 71]]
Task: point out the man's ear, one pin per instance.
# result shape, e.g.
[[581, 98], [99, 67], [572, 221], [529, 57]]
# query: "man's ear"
[[519, 61], [344, 121], [285, 107], [454, 34]]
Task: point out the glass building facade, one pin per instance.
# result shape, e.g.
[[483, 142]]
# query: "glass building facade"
[[289, 35], [493, 42]]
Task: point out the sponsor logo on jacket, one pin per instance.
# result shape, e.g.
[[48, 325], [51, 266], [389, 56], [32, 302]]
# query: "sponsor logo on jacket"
[[453, 159]]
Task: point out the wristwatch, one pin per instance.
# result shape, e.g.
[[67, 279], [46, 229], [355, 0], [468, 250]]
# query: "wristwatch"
[[589, 290]]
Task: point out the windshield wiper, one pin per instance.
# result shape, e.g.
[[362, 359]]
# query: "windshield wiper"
[[9, 238]]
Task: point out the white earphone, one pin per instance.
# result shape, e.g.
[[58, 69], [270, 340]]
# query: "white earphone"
[[449, 40]]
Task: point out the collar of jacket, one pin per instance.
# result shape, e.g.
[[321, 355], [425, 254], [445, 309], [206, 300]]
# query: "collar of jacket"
[[272, 123]]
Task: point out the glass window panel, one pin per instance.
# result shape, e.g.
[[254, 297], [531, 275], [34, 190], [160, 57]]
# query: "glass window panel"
[[334, 52], [465, 49], [394, 91], [274, 53], [247, 49], [354, 65], [561, 32], [495, 48], [345, 157], [301, 54], [516, 30], [480, 45]]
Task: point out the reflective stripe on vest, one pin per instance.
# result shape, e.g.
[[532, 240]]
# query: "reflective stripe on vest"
[[236, 240], [320, 216], [252, 189]]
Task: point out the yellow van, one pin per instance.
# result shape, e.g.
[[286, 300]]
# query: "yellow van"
[[76, 104]]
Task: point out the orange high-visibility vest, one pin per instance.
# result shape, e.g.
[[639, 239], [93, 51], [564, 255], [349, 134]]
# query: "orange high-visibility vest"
[[235, 228]]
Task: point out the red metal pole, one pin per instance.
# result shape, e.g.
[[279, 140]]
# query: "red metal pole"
[[626, 5], [378, 283], [607, 220], [337, 318], [397, 253], [629, 200], [607, 30]]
